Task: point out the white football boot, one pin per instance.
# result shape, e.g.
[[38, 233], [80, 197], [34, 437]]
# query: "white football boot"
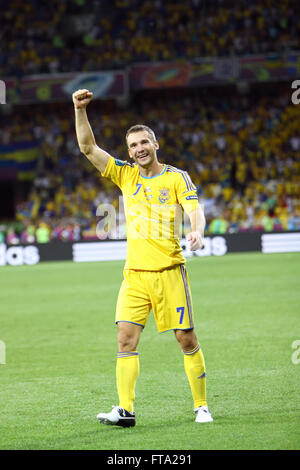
[[203, 415], [118, 417]]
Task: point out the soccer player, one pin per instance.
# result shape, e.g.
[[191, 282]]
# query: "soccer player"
[[155, 275]]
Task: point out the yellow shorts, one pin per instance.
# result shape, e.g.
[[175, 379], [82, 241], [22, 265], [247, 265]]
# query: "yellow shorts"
[[167, 292]]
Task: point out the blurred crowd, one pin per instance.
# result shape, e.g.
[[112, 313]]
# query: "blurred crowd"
[[242, 152], [86, 35]]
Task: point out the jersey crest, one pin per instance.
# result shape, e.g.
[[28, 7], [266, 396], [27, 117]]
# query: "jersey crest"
[[164, 195]]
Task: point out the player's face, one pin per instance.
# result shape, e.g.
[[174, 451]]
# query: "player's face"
[[142, 148]]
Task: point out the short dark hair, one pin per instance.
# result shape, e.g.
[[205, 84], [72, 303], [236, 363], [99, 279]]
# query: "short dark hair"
[[139, 128]]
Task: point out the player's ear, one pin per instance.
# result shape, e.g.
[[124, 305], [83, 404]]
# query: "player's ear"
[[156, 145], [129, 153]]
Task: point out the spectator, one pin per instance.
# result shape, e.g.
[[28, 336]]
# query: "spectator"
[[218, 226], [2, 234], [11, 237], [28, 234], [294, 221], [42, 233]]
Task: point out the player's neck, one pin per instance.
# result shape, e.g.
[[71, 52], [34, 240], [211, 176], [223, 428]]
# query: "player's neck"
[[155, 169]]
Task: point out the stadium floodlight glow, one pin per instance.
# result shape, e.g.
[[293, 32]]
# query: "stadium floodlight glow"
[[2, 92]]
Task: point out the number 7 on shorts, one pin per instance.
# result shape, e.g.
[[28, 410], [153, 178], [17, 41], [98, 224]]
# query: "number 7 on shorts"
[[180, 310]]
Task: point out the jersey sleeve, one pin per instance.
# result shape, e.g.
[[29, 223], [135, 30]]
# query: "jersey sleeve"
[[186, 192], [116, 170]]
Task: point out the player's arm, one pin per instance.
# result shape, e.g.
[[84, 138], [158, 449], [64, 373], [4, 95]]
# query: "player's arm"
[[85, 137], [197, 220]]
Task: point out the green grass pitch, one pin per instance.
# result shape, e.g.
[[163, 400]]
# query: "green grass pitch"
[[57, 322]]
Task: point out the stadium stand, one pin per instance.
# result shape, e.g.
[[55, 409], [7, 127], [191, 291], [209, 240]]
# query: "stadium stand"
[[241, 149], [41, 37], [242, 154]]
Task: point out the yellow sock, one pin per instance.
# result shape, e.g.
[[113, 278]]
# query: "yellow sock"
[[194, 366], [127, 371]]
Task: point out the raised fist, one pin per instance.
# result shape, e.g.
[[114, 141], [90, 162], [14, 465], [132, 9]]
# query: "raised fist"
[[81, 98]]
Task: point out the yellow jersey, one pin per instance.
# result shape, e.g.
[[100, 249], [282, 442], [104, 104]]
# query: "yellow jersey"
[[153, 209]]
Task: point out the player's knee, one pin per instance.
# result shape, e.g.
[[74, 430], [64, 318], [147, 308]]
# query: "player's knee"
[[127, 339], [126, 343], [187, 339]]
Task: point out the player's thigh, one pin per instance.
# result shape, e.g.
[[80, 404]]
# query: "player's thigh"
[[133, 304], [172, 300]]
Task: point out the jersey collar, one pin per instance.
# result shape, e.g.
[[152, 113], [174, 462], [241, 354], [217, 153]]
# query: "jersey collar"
[[159, 174]]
